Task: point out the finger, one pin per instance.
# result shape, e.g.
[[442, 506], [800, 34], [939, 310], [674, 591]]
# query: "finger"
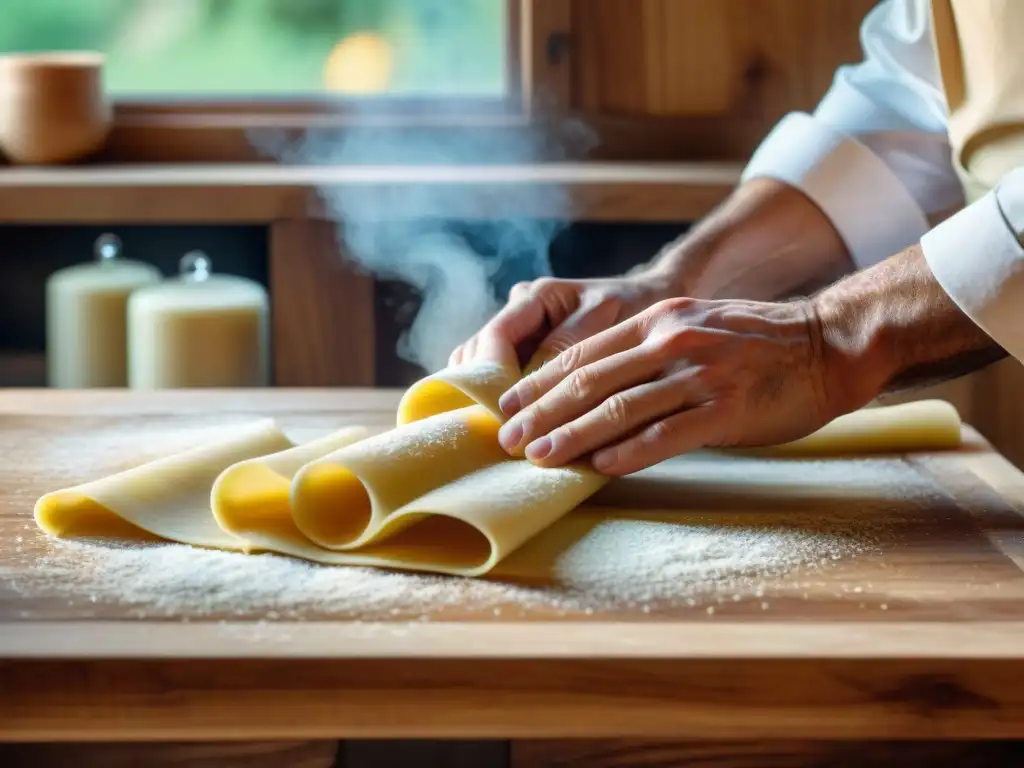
[[495, 348], [579, 393], [500, 338], [582, 324], [531, 388], [520, 317], [455, 358], [681, 433], [617, 417], [519, 291]]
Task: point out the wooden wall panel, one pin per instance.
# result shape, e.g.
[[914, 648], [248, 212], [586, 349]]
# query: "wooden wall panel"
[[835, 39], [654, 57], [322, 309], [545, 39], [698, 59], [724, 70]]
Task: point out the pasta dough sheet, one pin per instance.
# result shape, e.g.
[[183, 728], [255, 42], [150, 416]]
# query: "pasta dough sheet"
[[436, 493], [917, 426]]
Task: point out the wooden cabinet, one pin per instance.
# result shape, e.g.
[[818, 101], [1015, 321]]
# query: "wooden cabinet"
[[693, 78]]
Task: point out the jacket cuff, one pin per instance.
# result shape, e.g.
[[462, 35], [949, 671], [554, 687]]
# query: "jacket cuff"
[[978, 260], [866, 202]]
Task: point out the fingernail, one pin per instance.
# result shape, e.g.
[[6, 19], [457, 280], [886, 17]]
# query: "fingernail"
[[605, 459], [539, 448], [509, 402], [510, 435]]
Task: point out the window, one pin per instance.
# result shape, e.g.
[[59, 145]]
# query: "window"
[[276, 48]]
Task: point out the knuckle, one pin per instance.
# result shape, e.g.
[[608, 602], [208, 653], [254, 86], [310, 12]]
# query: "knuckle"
[[526, 390], [559, 343], [671, 305], [673, 342], [617, 410], [569, 360], [659, 315], [580, 384], [565, 436], [658, 432], [544, 284]]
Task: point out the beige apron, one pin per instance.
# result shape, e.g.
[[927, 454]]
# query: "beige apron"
[[980, 46]]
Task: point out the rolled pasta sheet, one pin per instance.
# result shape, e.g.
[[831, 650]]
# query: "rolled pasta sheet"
[[250, 499], [437, 493]]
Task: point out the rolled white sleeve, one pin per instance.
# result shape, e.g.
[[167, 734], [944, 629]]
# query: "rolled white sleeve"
[[978, 259], [874, 155]]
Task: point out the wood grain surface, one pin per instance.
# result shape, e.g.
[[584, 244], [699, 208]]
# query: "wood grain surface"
[[310, 754], [692, 79], [239, 193], [918, 637], [323, 309]]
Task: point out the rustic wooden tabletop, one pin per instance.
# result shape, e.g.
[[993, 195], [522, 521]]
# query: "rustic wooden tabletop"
[[892, 607]]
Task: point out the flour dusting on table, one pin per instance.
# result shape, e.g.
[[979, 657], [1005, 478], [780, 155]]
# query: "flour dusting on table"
[[637, 568], [640, 563]]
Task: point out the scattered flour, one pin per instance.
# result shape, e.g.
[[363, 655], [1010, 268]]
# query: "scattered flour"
[[618, 566]]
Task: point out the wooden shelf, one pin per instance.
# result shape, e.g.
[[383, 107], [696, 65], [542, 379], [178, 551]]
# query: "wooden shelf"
[[173, 194]]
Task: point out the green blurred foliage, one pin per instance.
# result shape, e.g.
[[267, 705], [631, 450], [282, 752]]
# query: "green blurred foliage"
[[443, 47], [42, 25]]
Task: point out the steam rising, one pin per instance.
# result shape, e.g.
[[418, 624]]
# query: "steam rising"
[[405, 231]]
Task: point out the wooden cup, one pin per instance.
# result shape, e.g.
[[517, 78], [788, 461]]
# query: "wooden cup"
[[53, 108]]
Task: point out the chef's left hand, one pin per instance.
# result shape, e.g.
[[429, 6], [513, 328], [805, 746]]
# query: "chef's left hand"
[[682, 375]]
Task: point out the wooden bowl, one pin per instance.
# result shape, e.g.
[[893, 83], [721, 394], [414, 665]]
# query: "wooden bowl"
[[53, 108]]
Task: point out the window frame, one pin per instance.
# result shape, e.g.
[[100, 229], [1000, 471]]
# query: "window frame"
[[162, 129]]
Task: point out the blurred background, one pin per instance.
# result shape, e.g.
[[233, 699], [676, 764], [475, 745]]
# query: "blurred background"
[[268, 47]]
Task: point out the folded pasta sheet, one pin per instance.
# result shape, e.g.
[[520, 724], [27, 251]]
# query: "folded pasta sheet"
[[435, 493]]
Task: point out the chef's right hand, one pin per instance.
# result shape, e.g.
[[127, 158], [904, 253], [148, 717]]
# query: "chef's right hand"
[[547, 316]]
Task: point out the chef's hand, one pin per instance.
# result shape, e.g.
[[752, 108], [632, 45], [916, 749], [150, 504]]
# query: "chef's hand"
[[547, 316], [682, 375]]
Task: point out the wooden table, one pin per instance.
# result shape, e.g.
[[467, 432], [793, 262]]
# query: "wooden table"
[[920, 639]]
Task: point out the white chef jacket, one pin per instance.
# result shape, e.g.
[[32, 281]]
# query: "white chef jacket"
[[875, 156]]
